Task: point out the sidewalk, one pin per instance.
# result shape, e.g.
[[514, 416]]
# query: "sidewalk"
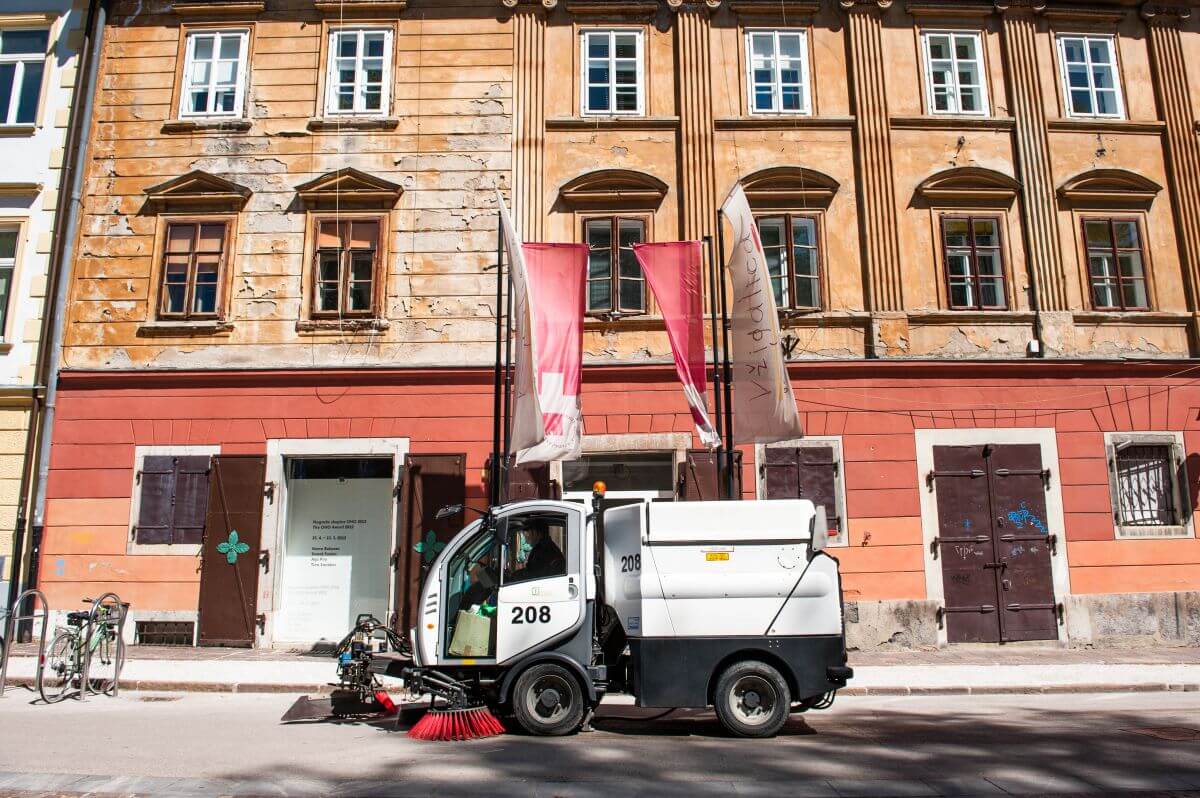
[[953, 670]]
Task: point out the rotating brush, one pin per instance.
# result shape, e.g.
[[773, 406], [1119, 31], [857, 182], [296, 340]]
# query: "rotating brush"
[[464, 723]]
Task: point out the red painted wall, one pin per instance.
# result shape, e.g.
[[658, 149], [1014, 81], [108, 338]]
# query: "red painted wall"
[[874, 406]]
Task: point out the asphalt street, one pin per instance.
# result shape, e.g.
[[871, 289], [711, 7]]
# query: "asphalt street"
[[209, 744]]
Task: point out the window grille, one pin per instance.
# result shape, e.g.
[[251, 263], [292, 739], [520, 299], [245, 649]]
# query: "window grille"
[[1146, 486], [164, 633]]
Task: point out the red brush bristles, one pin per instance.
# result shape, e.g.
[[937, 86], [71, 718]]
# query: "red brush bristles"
[[384, 700], [456, 724]]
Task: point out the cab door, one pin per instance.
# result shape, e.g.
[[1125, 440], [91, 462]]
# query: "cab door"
[[542, 596]]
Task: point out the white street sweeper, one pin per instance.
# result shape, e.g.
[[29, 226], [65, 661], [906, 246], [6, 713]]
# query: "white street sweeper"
[[540, 608]]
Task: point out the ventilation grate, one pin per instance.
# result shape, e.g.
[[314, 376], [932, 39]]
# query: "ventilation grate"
[[165, 633]]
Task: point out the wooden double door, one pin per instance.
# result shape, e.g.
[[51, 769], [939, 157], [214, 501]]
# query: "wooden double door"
[[994, 543]]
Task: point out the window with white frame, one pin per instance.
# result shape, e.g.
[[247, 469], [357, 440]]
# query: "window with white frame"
[[359, 73], [954, 82], [613, 70], [1089, 73], [777, 62], [214, 73], [8, 267], [1148, 484], [22, 64]]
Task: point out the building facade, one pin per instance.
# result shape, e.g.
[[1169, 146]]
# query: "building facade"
[[983, 220], [40, 43]]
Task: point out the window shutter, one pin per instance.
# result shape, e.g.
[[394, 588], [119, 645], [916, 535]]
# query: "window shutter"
[[817, 469], [191, 499], [154, 502], [781, 475], [700, 478], [528, 482]]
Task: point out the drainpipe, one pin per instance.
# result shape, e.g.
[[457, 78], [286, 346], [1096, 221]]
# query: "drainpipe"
[[63, 255]]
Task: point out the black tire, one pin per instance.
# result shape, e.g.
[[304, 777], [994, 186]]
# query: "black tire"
[[548, 701], [752, 699], [57, 672], [106, 663]]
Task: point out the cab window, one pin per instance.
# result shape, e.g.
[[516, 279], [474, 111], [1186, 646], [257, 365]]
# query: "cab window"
[[535, 547], [472, 578]]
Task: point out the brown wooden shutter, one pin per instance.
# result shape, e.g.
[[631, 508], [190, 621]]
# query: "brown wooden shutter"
[[429, 483], [190, 499], [155, 513], [805, 472], [700, 478]]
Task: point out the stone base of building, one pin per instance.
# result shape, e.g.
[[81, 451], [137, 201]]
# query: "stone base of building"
[[1107, 620]]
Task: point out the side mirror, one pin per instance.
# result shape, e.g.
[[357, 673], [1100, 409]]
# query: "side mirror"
[[819, 539], [447, 511]]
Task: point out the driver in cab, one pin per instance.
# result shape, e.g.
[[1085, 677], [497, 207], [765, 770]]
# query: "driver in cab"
[[545, 558]]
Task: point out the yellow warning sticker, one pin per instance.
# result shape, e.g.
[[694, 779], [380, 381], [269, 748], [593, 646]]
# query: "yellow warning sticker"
[[714, 556]]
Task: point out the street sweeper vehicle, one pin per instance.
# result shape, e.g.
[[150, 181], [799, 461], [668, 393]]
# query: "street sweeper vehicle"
[[540, 608]]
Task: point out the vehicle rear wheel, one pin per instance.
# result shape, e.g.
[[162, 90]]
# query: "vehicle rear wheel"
[[548, 701], [752, 699], [57, 672]]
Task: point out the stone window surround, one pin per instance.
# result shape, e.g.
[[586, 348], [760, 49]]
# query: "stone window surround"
[[980, 37], [643, 70], [805, 67], [242, 78], [140, 453], [632, 442], [155, 320], [839, 488], [1112, 440], [357, 120], [1063, 86], [52, 24]]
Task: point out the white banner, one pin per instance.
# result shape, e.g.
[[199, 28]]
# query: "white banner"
[[764, 408], [528, 426]]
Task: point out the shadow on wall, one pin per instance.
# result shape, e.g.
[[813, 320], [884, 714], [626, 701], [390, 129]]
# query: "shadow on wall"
[[1191, 478]]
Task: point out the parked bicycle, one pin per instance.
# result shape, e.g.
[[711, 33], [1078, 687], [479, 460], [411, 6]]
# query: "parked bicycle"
[[70, 655]]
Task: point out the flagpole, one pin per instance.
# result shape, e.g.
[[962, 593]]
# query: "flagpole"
[[494, 475], [727, 368], [508, 387], [712, 304]]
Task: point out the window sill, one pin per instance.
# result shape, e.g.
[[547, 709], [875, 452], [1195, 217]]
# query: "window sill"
[[627, 321], [777, 121], [341, 325], [1152, 532], [972, 316], [205, 125], [1157, 317], [336, 123], [171, 329], [1102, 124], [613, 123], [792, 319], [5, 347], [17, 130], [952, 122], [163, 549]]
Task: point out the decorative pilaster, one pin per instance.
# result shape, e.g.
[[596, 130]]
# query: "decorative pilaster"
[[1038, 204], [529, 116], [876, 179], [697, 178], [1169, 73]]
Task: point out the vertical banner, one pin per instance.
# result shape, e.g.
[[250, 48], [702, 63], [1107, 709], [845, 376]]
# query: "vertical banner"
[[556, 275], [672, 270], [528, 426], [764, 408]]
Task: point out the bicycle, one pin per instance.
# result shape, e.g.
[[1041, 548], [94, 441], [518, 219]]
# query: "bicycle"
[[69, 654]]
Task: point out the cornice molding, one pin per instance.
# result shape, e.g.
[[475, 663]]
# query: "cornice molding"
[[348, 187], [1165, 14], [792, 9], [969, 184], [613, 188], [784, 122], [613, 123], [1108, 187], [785, 186], [1003, 7], [358, 6], [549, 5], [20, 189], [608, 8], [706, 5], [197, 188], [1098, 16], [930, 8], [931, 122], [211, 8], [1149, 127], [864, 6]]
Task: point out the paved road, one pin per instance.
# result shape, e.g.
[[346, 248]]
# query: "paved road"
[[208, 744]]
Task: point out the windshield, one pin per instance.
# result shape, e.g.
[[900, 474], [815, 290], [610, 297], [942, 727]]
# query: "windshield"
[[472, 578]]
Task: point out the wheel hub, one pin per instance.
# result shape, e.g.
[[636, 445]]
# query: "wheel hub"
[[751, 699], [549, 698]]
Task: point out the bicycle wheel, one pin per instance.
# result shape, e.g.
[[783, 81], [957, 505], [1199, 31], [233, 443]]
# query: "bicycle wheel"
[[107, 660], [58, 671]]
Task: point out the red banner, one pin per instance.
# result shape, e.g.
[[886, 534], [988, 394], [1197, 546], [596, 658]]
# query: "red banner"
[[556, 275], [672, 271]]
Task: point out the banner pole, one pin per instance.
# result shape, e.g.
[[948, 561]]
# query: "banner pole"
[[494, 472], [712, 304], [508, 387], [726, 366]]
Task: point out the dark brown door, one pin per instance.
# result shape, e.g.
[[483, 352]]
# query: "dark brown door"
[[429, 482], [229, 553], [993, 543]]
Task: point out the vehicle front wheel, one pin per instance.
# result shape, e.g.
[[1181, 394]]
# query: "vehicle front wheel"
[[548, 701], [752, 699]]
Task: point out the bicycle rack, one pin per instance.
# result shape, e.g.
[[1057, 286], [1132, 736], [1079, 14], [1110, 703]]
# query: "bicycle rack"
[[11, 624], [85, 683]]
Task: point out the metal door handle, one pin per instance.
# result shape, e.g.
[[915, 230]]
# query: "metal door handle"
[[572, 591]]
